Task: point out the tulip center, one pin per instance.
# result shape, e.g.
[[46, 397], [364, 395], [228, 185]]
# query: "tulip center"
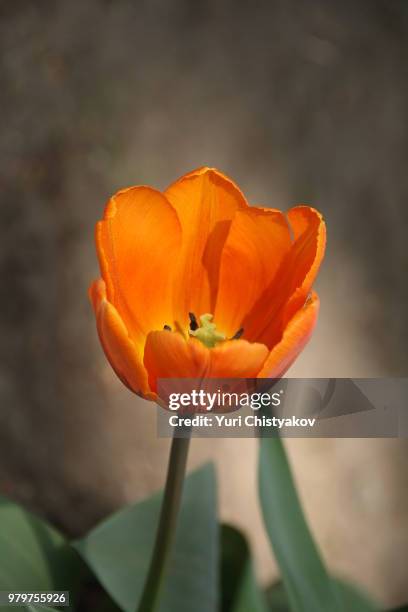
[[205, 331]]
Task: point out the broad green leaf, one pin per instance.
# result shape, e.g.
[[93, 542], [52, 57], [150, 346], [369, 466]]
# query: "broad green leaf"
[[307, 583], [33, 555], [349, 596], [352, 598], [118, 551], [277, 598], [239, 591]]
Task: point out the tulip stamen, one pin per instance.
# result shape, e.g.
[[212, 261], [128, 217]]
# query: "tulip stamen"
[[207, 331], [193, 321], [167, 327], [238, 334]]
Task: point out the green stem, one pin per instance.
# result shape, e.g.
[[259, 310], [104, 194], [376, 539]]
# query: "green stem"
[[167, 523]]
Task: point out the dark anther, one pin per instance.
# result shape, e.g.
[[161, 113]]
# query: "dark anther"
[[193, 321], [167, 327], [238, 334]]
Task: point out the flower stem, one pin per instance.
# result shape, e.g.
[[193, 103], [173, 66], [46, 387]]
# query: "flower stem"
[[167, 522]]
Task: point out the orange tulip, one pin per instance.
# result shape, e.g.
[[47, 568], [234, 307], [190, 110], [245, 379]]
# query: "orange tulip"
[[197, 283]]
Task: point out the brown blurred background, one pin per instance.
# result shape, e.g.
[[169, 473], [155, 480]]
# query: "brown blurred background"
[[299, 101]]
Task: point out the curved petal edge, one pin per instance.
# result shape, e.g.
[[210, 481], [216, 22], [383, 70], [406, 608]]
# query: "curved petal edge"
[[294, 339], [119, 348]]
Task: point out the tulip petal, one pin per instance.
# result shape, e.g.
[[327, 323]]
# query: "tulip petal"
[[257, 243], [309, 232], [206, 202], [236, 359], [97, 293], [137, 242], [119, 348], [294, 339], [290, 288], [169, 355]]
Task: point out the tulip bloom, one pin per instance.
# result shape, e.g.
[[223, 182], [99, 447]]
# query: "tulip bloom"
[[196, 283]]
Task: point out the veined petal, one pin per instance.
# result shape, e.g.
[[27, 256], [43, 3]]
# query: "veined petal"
[[309, 231], [294, 339], [169, 355], [119, 348], [257, 243], [205, 201], [290, 288], [138, 242], [236, 359]]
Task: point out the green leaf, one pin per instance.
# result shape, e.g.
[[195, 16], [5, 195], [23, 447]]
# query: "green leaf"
[[33, 555], [239, 591], [349, 596], [277, 598], [307, 583], [352, 598], [118, 551]]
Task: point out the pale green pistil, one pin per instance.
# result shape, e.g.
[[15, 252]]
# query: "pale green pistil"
[[207, 332]]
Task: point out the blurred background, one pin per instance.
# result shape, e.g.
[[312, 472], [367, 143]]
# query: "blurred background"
[[297, 102]]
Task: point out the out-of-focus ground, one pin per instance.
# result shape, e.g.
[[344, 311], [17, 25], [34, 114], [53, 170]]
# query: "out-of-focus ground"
[[298, 102]]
